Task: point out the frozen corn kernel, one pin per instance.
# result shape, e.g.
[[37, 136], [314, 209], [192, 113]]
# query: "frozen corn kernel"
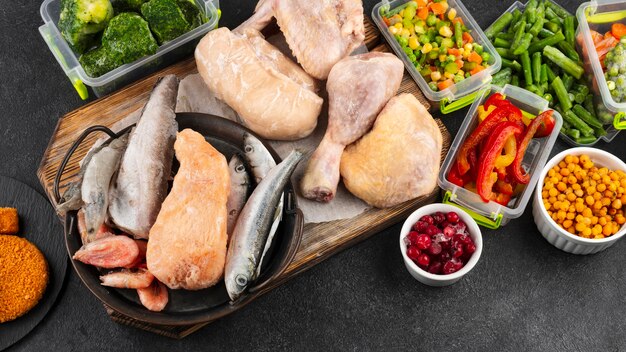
[[451, 14]]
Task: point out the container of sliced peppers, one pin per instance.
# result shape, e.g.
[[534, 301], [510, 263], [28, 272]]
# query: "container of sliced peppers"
[[498, 154], [442, 48]]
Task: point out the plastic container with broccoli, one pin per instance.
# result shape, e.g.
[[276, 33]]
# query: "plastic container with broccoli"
[[106, 44]]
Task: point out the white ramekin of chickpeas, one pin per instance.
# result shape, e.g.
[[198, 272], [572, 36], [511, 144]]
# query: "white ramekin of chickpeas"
[[579, 201]]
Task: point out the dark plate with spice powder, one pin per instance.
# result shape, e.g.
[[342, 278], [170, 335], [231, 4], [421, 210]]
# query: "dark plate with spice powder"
[[39, 225]]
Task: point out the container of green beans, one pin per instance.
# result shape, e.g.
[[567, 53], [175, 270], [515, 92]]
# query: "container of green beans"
[[536, 41]]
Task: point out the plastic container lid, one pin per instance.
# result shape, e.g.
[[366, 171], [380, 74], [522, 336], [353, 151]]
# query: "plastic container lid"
[[168, 52], [492, 214], [462, 93]]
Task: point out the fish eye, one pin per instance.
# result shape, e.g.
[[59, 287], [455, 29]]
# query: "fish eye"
[[248, 148], [240, 168], [241, 280]]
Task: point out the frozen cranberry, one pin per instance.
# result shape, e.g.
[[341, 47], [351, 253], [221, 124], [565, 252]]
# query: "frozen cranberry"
[[420, 226], [439, 217], [435, 248], [470, 248], [457, 250], [435, 267], [445, 256], [449, 267], [427, 219], [461, 226], [423, 260], [457, 263], [462, 238], [449, 231], [452, 217], [423, 241], [444, 224], [413, 253], [432, 230], [411, 238]]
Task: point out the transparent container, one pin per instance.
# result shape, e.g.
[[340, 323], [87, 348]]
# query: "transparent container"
[[460, 94], [611, 132], [167, 54], [598, 16], [491, 214]]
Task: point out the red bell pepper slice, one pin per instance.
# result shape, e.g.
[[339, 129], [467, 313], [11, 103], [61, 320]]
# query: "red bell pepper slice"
[[494, 99], [518, 173], [454, 177], [546, 127], [483, 130], [485, 180]]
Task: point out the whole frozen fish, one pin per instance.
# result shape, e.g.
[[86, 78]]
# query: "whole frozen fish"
[[141, 185], [96, 182], [258, 157], [261, 161], [239, 185], [72, 197], [248, 240]]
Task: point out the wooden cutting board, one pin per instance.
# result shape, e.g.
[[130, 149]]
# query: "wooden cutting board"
[[319, 241]]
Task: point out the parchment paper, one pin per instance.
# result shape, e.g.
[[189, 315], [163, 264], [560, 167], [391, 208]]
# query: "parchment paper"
[[194, 96]]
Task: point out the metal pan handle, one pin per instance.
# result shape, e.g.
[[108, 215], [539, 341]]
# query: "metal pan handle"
[[70, 152]]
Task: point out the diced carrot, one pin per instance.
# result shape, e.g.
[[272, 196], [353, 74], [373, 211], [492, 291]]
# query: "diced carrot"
[[474, 57], [422, 13], [467, 38], [442, 17], [387, 22], [421, 3], [457, 19], [438, 8], [476, 69], [454, 51], [605, 45], [618, 30], [597, 37], [445, 84], [459, 63]]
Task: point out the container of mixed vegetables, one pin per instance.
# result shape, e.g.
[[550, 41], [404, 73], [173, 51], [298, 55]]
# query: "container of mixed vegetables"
[[537, 42], [601, 37], [106, 44], [442, 47], [497, 157]]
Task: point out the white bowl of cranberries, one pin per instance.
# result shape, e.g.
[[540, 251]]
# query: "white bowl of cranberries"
[[440, 243]]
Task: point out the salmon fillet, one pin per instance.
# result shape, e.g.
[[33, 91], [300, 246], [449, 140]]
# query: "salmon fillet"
[[187, 244]]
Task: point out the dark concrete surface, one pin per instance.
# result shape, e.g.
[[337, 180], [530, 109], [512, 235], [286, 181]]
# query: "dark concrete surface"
[[523, 295]]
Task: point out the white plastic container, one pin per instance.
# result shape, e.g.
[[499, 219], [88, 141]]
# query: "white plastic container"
[[434, 279], [460, 94], [598, 16], [550, 230], [491, 214], [167, 54]]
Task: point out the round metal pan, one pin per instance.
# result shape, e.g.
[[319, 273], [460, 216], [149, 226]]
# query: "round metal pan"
[[193, 307]]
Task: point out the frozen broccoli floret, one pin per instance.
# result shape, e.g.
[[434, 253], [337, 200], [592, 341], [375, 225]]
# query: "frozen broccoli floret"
[[170, 19], [126, 39], [80, 21]]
